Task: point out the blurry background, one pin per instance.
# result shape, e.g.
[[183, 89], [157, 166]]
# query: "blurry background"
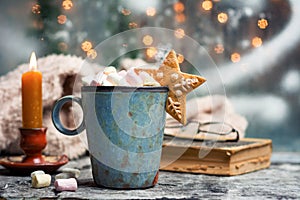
[[255, 44]]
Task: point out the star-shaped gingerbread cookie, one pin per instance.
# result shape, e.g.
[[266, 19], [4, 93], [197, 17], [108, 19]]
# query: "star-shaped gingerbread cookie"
[[179, 84]]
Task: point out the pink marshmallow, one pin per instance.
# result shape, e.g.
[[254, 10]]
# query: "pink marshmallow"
[[133, 79], [100, 78], [69, 184], [122, 73], [94, 83]]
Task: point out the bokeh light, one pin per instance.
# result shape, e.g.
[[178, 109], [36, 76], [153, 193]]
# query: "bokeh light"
[[180, 58], [180, 17], [178, 7], [151, 52], [132, 25], [36, 9], [222, 18], [147, 40], [235, 57], [256, 42], [92, 53], [86, 46], [126, 12], [61, 19], [179, 33], [67, 4], [151, 11], [207, 5], [219, 48], [262, 23]]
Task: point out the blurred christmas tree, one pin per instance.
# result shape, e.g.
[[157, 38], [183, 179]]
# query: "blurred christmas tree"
[[225, 28], [59, 29]]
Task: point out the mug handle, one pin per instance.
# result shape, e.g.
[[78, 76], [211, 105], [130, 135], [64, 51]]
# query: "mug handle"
[[56, 119]]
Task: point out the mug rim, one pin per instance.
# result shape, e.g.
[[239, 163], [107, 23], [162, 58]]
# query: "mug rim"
[[124, 89]]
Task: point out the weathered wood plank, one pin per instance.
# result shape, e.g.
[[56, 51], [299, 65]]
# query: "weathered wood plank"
[[281, 180]]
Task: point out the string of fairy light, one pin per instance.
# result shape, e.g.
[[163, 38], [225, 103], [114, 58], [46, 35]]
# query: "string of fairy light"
[[178, 8]]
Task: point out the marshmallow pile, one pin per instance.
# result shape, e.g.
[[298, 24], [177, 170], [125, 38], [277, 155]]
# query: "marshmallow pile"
[[110, 77], [65, 181]]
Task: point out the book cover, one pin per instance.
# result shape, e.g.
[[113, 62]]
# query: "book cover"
[[215, 157]]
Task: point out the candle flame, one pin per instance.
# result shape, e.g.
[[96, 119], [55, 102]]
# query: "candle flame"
[[33, 64]]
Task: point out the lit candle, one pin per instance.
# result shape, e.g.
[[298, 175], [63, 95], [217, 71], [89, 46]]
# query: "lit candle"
[[32, 109]]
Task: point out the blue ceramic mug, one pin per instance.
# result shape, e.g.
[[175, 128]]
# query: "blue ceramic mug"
[[125, 128]]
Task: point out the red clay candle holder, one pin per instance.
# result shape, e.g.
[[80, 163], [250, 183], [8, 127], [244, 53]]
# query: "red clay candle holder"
[[33, 141]]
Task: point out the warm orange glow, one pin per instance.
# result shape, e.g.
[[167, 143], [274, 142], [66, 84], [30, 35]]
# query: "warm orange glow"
[[151, 52], [207, 5], [36, 9], [38, 24], [61, 19], [126, 12], [178, 7], [32, 63], [179, 33], [62, 46], [219, 48], [222, 17], [32, 109], [92, 53], [235, 57], [180, 58], [180, 17], [67, 4], [256, 42], [86, 46], [147, 40], [151, 11], [262, 23], [132, 25]]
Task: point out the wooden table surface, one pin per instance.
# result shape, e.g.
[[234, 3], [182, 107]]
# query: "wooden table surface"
[[280, 181]]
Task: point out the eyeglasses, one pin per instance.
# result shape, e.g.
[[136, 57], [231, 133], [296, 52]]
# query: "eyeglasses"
[[195, 130]]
